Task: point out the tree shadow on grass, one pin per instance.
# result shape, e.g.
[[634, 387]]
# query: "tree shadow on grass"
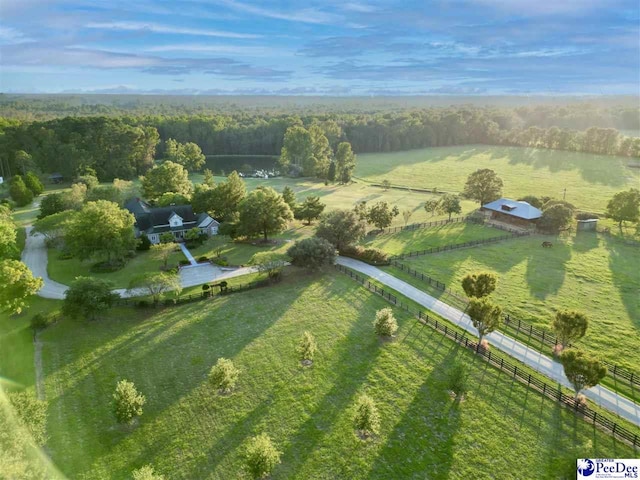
[[585, 241], [624, 263], [165, 366], [546, 269], [422, 441]]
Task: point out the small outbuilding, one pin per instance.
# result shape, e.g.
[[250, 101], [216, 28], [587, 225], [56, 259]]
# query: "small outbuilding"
[[513, 211], [589, 225], [56, 177]]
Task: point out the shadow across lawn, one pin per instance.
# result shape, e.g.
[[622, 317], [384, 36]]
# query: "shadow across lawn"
[[546, 271]]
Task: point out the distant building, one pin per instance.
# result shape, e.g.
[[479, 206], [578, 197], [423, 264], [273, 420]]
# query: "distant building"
[[177, 219], [56, 177], [513, 211]]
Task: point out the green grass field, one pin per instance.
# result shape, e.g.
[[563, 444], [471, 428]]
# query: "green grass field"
[[590, 180], [188, 431], [585, 272], [422, 239]]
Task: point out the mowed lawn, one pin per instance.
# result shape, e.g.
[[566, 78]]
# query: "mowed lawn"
[[590, 180], [439, 236], [189, 431], [586, 272]]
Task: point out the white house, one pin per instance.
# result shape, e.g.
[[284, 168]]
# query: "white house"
[[177, 219]]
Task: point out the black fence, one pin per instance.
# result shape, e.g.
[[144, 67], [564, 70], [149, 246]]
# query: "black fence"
[[471, 243], [418, 226], [212, 292], [519, 373], [434, 190], [517, 326]]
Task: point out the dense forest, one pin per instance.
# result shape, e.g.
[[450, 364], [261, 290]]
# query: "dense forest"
[[120, 140]]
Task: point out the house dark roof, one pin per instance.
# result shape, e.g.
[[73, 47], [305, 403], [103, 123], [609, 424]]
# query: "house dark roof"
[[156, 219], [514, 208]]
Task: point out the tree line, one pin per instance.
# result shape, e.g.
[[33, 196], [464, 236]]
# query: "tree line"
[[125, 146]]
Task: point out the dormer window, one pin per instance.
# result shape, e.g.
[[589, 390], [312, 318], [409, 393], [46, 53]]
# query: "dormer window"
[[507, 208], [175, 220]]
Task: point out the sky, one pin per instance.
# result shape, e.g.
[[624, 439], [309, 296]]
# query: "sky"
[[330, 47]]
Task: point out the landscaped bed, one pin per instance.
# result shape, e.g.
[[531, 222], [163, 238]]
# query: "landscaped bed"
[[189, 431]]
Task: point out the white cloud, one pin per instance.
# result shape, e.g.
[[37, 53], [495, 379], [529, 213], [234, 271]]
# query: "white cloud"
[[159, 28], [307, 15], [11, 36], [545, 7], [222, 49]]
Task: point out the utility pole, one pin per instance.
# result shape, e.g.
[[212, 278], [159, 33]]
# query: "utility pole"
[[564, 194]]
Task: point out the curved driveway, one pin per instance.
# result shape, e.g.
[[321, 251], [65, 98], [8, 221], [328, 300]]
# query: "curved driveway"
[[602, 396], [34, 256]]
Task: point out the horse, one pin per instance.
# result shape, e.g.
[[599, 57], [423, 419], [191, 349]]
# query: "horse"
[[547, 244]]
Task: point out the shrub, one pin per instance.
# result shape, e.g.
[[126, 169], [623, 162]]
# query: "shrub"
[[373, 256], [366, 418], [146, 473], [185, 262], [457, 380], [127, 401], [203, 259], [41, 320], [107, 267], [142, 304], [221, 261], [224, 375], [144, 243], [312, 253], [307, 347], [261, 456], [385, 323]]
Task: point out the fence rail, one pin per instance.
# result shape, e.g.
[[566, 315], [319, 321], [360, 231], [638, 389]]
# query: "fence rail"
[[548, 390], [192, 297], [455, 246], [510, 324], [418, 226]]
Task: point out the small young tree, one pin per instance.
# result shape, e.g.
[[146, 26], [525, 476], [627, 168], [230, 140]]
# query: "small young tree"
[[261, 456], [146, 473], [144, 243], [450, 204], [310, 209], [582, 370], [155, 284], [386, 184], [127, 401], [366, 417], [87, 297], [162, 252], [457, 380], [307, 347], [312, 253], [484, 315], [270, 263], [224, 375], [167, 237], [406, 215], [289, 198], [381, 214], [431, 206], [385, 323], [570, 326], [478, 285]]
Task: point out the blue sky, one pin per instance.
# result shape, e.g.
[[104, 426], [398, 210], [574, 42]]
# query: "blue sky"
[[331, 47]]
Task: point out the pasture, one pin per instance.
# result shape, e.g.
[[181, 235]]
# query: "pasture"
[[189, 431], [587, 272], [590, 180]]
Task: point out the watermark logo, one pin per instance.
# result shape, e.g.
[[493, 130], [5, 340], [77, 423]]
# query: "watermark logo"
[[609, 468], [586, 467]]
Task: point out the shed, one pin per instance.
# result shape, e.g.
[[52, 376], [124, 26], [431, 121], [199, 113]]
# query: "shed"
[[587, 225], [56, 177]]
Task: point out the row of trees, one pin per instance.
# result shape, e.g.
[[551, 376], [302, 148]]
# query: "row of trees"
[[582, 369], [123, 147]]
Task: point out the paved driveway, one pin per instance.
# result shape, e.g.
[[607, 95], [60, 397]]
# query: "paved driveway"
[[34, 256], [604, 397]]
